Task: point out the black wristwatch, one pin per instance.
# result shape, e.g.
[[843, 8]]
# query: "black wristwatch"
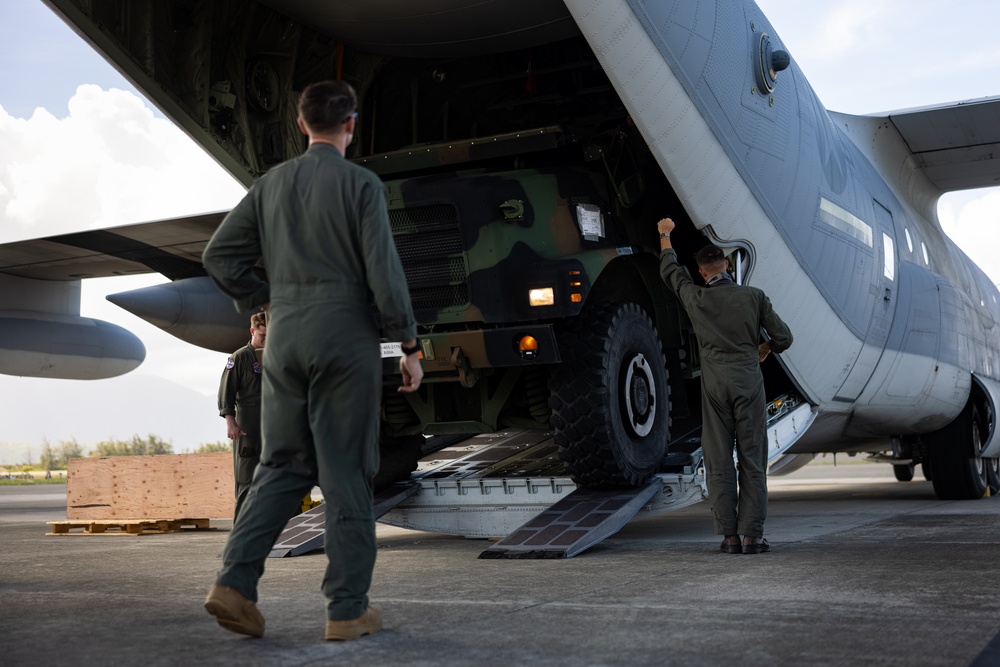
[[410, 350]]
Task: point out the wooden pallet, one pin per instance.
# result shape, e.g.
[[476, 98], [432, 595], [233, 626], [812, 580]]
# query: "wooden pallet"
[[126, 527]]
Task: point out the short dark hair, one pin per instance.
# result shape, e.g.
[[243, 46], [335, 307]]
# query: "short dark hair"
[[709, 256], [326, 105]]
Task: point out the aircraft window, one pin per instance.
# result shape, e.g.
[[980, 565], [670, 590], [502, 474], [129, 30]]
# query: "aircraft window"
[[890, 257], [923, 246], [909, 241], [845, 221]]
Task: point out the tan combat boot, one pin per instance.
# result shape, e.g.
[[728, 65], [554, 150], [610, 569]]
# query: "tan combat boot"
[[234, 612], [367, 623]]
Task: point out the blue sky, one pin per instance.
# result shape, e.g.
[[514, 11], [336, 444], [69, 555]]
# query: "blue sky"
[[42, 61], [861, 56]]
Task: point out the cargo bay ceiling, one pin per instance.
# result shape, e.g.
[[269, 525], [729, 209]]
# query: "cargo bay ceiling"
[[228, 72]]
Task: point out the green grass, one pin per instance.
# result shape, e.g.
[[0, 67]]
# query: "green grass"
[[26, 482]]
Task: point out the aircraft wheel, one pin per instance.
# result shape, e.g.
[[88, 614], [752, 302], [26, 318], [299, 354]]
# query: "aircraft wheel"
[[610, 397], [960, 473], [903, 472], [925, 470], [992, 475]]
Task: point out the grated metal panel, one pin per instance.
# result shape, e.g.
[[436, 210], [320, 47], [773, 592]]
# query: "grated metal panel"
[[304, 533], [486, 455], [575, 523], [429, 242]]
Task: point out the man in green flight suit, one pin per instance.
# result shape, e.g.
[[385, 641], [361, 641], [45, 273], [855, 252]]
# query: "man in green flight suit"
[[320, 225], [239, 403], [727, 320]]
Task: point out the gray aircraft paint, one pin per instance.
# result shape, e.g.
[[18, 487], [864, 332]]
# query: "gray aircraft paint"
[[803, 160]]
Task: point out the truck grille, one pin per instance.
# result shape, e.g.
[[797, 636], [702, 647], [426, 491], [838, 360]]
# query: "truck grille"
[[429, 243]]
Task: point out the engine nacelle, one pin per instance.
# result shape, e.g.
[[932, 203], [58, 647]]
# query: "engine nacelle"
[[192, 309], [67, 347]]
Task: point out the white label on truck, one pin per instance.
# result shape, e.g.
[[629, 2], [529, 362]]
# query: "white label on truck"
[[392, 350], [591, 221]]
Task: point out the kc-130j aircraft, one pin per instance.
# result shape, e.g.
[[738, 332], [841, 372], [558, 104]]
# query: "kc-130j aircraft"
[[527, 148]]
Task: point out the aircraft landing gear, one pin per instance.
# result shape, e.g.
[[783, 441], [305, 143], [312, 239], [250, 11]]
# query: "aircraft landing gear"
[[960, 471], [904, 471]]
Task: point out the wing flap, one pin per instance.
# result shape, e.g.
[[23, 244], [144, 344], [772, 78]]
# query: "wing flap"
[[957, 146]]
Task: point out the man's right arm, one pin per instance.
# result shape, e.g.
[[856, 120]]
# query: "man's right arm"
[[227, 399], [227, 389]]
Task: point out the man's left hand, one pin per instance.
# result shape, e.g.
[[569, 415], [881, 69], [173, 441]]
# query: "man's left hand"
[[413, 372]]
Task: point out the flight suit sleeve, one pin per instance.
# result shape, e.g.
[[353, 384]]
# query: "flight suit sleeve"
[[383, 269], [228, 387], [676, 276], [233, 252], [777, 330]]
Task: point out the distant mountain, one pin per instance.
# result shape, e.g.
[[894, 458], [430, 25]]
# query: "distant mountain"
[[32, 409]]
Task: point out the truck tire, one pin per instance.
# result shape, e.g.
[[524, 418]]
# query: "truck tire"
[[610, 397], [959, 470], [398, 457]]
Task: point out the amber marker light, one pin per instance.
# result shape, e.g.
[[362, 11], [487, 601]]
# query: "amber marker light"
[[528, 346], [543, 296]]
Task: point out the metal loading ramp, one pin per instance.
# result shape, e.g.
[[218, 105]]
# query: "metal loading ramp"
[[505, 484], [575, 523], [304, 532], [512, 485]]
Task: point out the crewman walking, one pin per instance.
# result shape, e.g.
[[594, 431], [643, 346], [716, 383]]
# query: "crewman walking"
[[320, 225]]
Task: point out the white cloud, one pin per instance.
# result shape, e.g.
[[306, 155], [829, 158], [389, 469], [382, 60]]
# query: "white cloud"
[[110, 162], [972, 220], [866, 56]]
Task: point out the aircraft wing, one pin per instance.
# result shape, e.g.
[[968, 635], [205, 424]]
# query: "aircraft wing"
[[957, 147], [41, 331], [170, 247]]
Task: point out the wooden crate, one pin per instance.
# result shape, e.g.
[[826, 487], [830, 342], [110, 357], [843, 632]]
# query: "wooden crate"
[[144, 487]]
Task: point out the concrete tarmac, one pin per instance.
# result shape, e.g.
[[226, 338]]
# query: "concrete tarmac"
[[864, 570]]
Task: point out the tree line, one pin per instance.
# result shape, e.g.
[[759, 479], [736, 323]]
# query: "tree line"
[[57, 456]]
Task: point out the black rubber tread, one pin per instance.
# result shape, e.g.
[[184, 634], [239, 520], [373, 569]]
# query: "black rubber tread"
[[953, 458], [587, 417], [992, 475], [925, 470], [903, 472]]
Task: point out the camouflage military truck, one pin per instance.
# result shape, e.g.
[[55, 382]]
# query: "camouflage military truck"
[[523, 205]]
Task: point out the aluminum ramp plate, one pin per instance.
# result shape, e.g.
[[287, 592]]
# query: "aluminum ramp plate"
[[575, 523], [304, 533]]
